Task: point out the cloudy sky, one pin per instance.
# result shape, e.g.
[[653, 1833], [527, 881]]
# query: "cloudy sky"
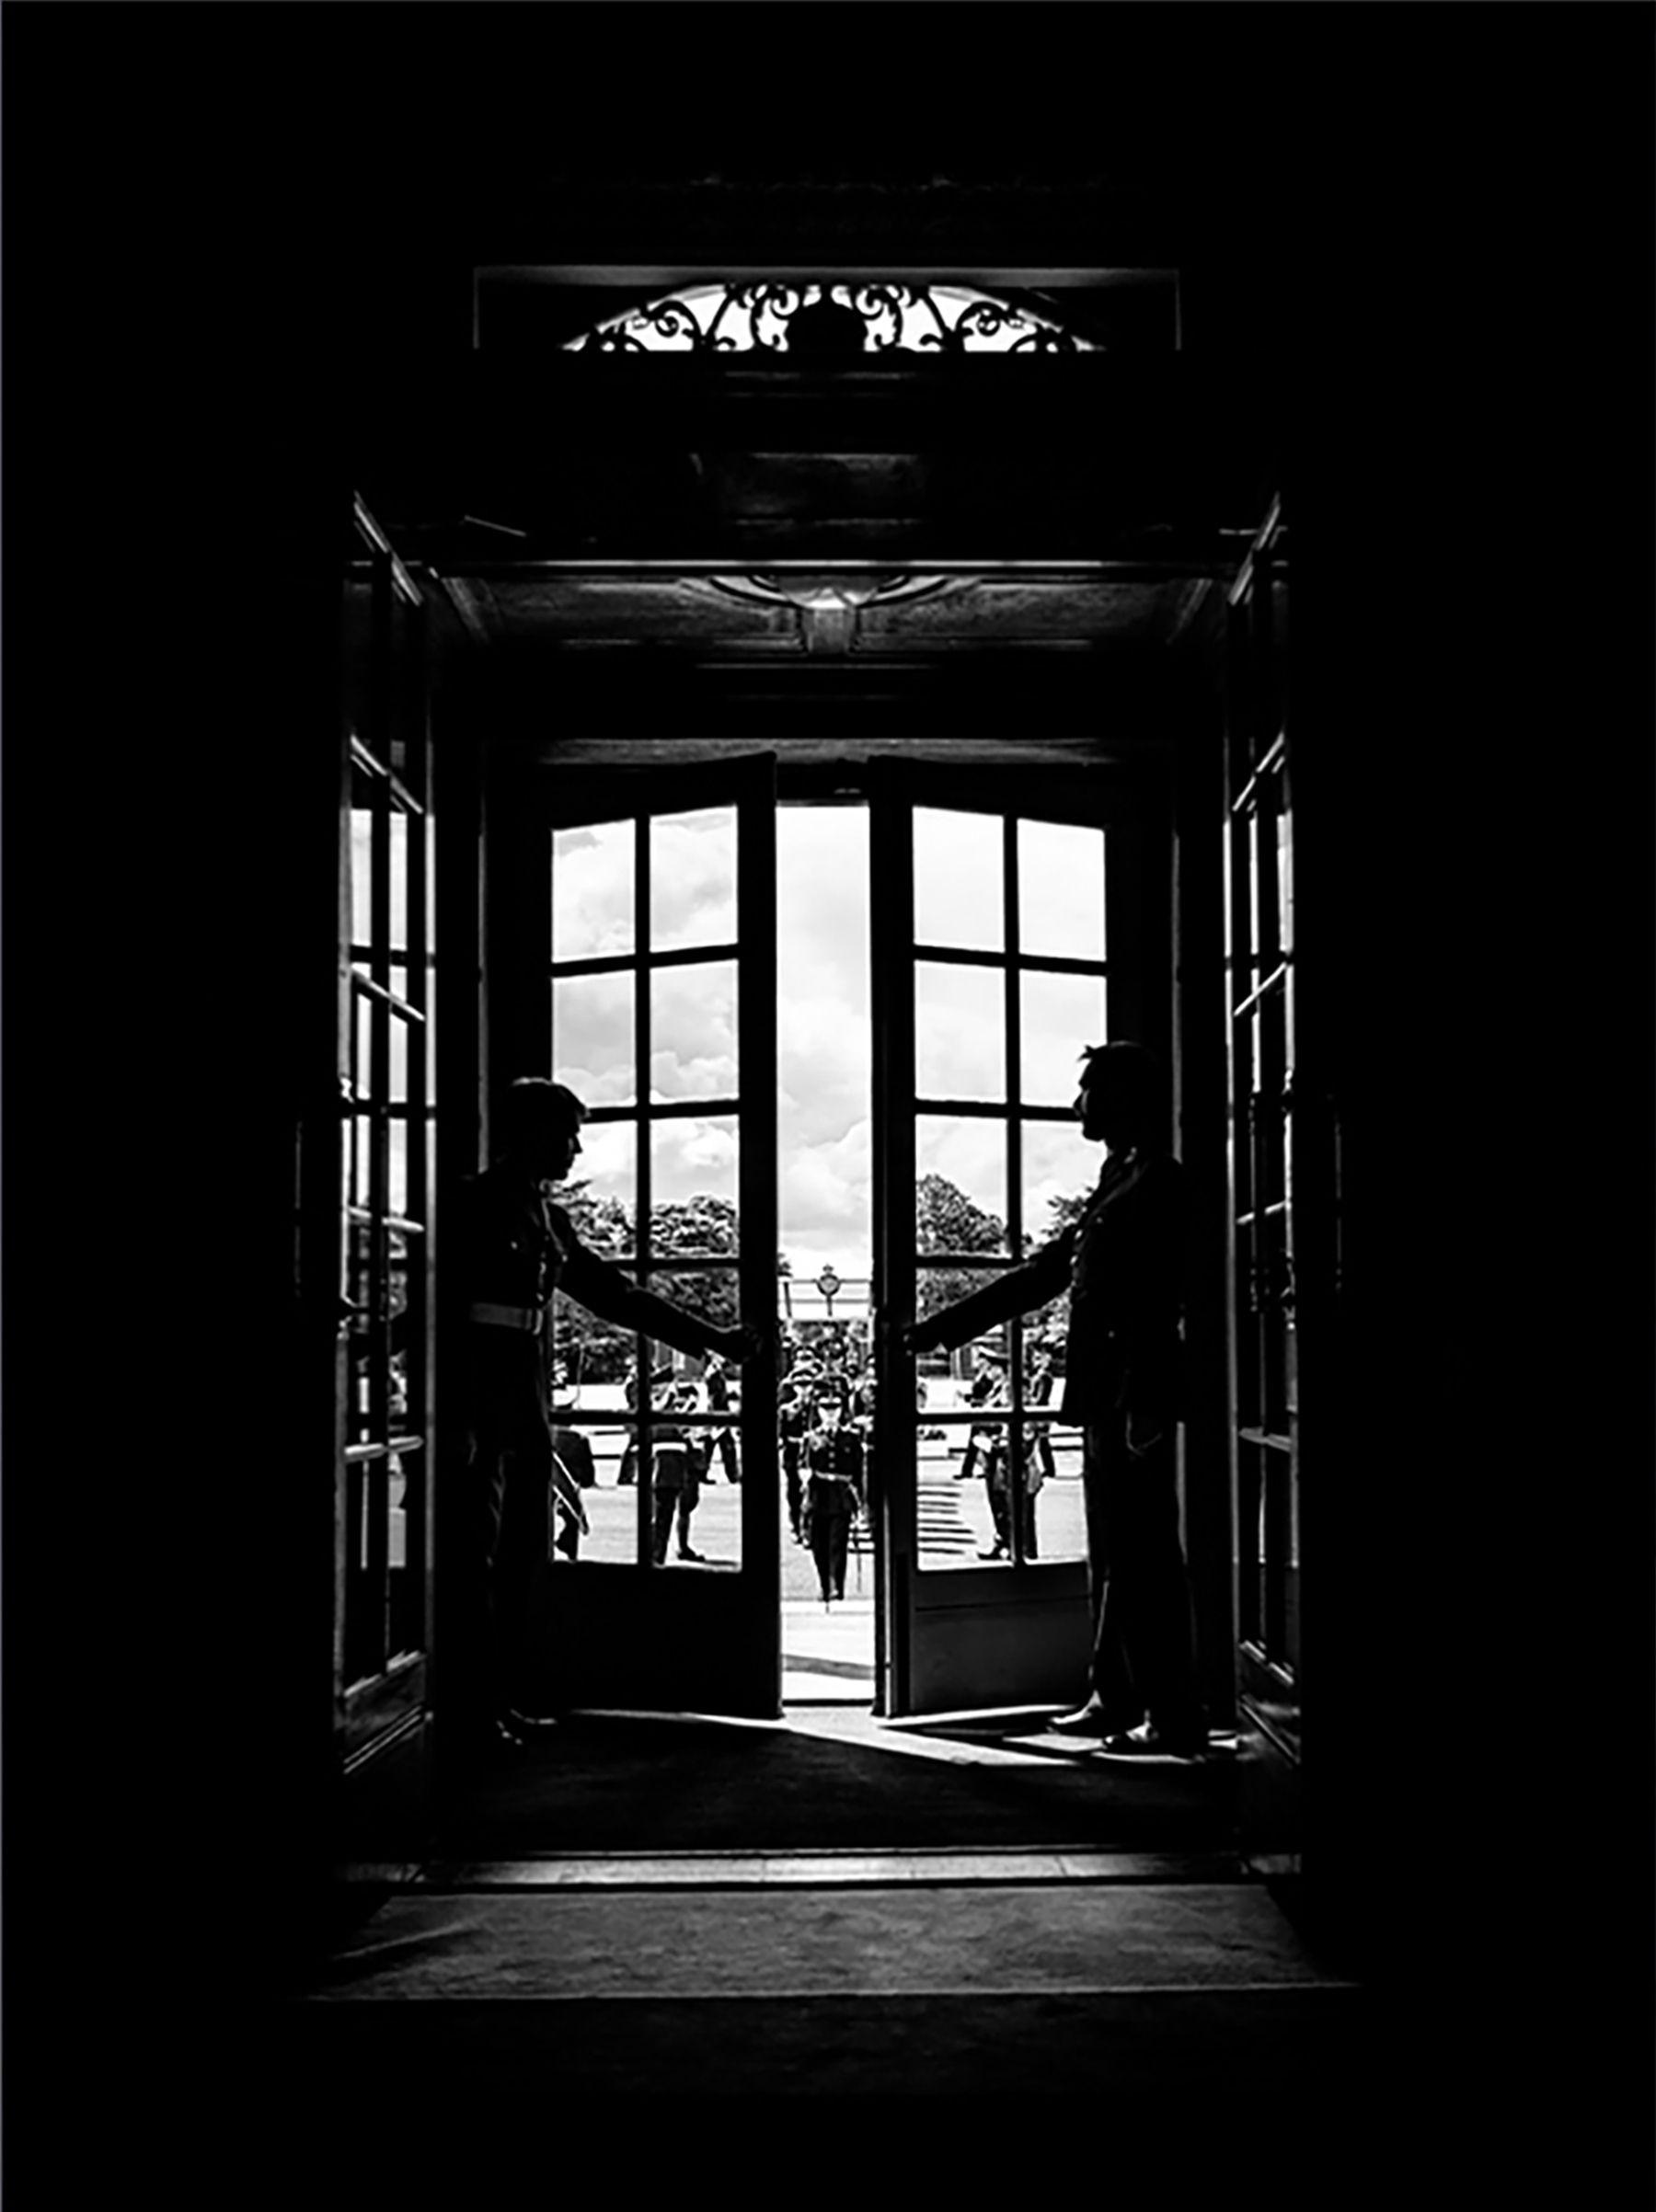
[[823, 955]]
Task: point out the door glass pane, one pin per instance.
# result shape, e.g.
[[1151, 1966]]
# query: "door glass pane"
[[713, 1295], [693, 880], [610, 1501], [693, 1049], [398, 1290], [959, 1032], [397, 1191], [362, 1162], [362, 878], [1061, 890], [706, 1518], [593, 891], [967, 1499], [592, 1362], [580, 1531], [1060, 1015], [960, 1184], [399, 879], [602, 1195], [398, 1091], [960, 879], [694, 1185], [396, 1501], [593, 1041], [362, 1071], [1061, 1171]]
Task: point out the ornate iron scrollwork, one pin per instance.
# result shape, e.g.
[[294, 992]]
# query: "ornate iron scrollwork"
[[832, 321]]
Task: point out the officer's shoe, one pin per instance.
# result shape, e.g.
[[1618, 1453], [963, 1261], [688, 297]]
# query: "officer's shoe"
[[1148, 1741], [528, 1727], [1094, 1718]]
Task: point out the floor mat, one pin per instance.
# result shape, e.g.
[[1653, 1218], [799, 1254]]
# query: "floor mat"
[[768, 1943]]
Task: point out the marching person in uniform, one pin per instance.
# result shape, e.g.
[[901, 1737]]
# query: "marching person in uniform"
[[1121, 1262], [793, 1419], [516, 1248], [676, 1463], [833, 1492], [717, 1383]]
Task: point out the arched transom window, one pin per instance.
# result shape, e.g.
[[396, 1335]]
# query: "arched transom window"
[[833, 321]]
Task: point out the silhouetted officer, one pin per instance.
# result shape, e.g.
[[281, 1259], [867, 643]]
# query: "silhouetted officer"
[[515, 1249], [1123, 1264]]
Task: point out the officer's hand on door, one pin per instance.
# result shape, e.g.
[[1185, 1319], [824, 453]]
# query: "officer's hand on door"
[[745, 1342]]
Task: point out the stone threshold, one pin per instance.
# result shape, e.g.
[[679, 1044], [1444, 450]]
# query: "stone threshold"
[[810, 1869]]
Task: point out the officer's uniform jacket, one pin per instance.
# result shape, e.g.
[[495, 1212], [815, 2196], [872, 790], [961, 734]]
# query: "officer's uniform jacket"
[[517, 1249], [1122, 1262], [834, 1458]]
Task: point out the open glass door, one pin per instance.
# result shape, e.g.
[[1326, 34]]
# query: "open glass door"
[[633, 943], [1283, 1206], [385, 1066], [1011, 929]]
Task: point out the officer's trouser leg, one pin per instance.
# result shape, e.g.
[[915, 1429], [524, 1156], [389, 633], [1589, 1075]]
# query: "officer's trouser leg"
[[688, 1498], [1144, 1649], [821, 1549], [838, 1545], [663, 1507]]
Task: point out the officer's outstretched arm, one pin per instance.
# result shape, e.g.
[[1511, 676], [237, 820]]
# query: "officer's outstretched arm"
[[601, 1286]]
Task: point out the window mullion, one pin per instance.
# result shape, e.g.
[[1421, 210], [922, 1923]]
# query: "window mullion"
[[642, 1196], [1014, 1238]]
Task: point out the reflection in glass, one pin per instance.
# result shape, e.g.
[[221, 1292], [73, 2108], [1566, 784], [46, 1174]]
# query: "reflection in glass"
[[693, 1165], [960, 1184], [693, 1035], [959, 879], [693, 880], [959, 1032], [1061, 892], [1060, 1016], [592, 1042], [1060, 1172], [602, 1194], [592, 893]]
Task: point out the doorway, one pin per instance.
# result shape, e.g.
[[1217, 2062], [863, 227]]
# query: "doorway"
[[829, 1051], [825, 1264]]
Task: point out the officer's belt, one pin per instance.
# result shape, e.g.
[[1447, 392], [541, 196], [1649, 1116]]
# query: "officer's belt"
[[531, 1319]]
